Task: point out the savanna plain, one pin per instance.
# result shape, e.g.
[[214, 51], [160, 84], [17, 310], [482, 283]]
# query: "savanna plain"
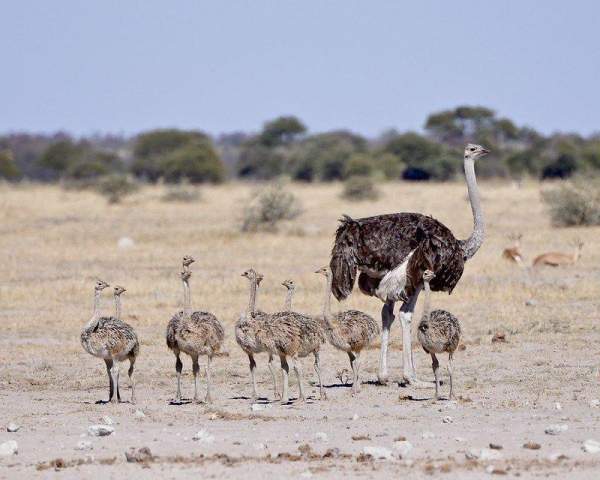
[[54, 243]]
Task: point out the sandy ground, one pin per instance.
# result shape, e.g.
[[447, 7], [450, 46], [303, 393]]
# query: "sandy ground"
[[54, 243]]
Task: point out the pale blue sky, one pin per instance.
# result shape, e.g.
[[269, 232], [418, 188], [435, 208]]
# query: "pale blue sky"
[[124, 66]]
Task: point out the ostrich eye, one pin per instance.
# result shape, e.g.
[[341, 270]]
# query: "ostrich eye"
[[472, 149]]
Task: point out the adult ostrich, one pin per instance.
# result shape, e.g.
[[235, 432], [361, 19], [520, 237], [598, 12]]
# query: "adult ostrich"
[[392, 252]]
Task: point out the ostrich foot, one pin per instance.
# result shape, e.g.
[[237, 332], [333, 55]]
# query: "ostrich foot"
[[415, 382]]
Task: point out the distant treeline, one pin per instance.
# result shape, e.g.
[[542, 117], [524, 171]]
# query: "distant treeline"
[[284, 147]]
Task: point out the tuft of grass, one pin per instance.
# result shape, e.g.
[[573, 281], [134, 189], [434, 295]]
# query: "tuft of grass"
[[115, 187], [360, 188], [181, 193], [574, 203], [268, 208]]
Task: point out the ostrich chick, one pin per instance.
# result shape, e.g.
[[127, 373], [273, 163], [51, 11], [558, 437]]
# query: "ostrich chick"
[[351, 331], [112, 340], [439, 331]]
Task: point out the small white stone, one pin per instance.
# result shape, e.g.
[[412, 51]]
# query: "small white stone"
[[556, 429], [489, 469], [9, 448], [553, 457], [12, 427], [355, 416], [482, 454], [100, 430], [591, 446], [595, 403], [213, 416], [428, 435], [139, 414], [558, 406], [84, 445], [403, 447], [306, 474], [460, 439], [447, 419], [257, 407], [260, 446], [321, 437], [125, 242], [106, 420], [204, 437], [378, 452]]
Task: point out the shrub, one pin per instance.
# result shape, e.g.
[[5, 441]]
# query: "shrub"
[[153, 147], [195, 163], [269, 207], [182, 193], [359, 164], [8, 168], [114, 187], [359, 188], [574, 203]]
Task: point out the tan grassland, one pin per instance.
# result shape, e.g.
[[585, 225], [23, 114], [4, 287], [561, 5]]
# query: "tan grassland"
[[55, 242]]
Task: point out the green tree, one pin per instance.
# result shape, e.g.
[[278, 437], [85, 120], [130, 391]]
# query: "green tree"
[[324, 156], [260, 162], [8, 167], [281, 131], [152, 147], [61, 155], [196, 163]]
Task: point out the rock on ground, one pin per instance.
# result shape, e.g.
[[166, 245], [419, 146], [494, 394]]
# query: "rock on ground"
[[9, 448], [378, 452], [100, 430], [556, 429], [591, 446]]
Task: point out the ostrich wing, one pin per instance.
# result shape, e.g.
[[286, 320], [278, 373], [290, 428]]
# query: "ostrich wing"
[[377, 245]]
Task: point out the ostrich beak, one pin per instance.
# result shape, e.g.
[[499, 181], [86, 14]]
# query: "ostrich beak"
[[484, 151]]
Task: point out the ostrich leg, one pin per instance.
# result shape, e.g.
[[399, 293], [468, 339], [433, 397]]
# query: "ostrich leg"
[[406, 312], [387, 318]]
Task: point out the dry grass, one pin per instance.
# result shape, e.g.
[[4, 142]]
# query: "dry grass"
[[55, 242]]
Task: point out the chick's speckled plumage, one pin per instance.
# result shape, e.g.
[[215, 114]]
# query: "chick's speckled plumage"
[[111, 339], [439, 332], [352, 330]]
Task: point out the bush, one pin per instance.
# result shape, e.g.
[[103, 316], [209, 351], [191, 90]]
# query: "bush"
[[359, 188], [359, 164], [182, 193], [269, 207], [196, 163], [114, 187], [574, 203], [8, 168], [153, 147]]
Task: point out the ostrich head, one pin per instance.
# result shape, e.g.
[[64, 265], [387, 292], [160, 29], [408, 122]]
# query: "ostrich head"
[[188, 260], [100, 285], [253, 275], [428, 276], [474, 152], [289, 284], [119, 290], [185, 275], [323, 270]]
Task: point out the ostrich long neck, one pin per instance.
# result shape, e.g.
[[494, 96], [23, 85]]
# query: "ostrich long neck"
[[427, 301], [332, 330], [187, 302], [118, 307], [288, 300], [472, 244], [327, 299], [252, 301], [91, 325]]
